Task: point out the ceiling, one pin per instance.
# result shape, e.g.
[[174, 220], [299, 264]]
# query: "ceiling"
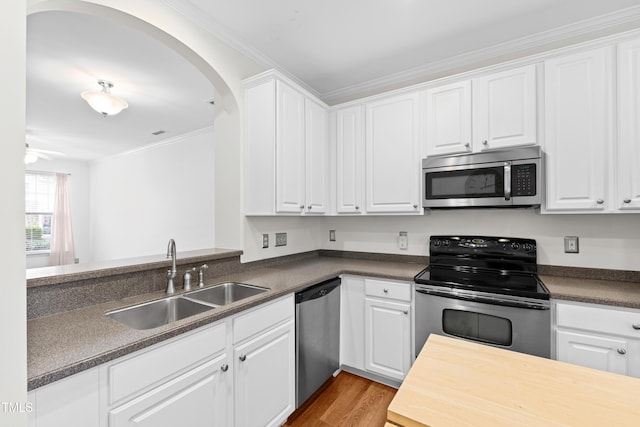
[[337, 49]]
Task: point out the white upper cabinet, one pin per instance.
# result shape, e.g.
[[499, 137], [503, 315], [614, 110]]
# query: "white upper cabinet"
[[504, 109], [578, 130], [489, 112], [286, 148], [449, 119], [627, 195], [392, 155], [349, 130], [317, 158]]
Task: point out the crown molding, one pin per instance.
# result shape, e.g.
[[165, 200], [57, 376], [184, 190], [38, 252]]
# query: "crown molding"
[[420, 73], [220, 31], [538, 40]]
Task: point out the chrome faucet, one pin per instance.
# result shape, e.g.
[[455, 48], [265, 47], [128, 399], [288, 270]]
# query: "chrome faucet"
[[171, 274]]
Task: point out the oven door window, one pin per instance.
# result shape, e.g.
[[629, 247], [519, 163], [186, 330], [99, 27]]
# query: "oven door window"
[[477, 327], [468, 183]]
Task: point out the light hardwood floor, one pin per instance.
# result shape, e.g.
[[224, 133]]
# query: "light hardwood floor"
[[346, 400]]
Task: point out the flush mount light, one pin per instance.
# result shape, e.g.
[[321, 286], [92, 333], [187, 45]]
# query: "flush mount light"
[[104, 102]]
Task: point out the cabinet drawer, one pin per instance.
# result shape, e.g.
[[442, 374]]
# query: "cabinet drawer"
[[599, 319], [163, 361], [388, 289], [270, 314]]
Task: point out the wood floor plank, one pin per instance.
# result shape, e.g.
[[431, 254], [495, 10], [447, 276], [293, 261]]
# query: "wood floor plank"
[[347, 400]]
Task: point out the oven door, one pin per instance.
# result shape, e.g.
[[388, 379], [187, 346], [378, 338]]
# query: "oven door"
[[514, 323], [487, 184]]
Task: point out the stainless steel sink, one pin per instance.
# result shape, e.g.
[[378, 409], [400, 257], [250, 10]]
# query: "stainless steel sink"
[[225, 293], [158, 313]]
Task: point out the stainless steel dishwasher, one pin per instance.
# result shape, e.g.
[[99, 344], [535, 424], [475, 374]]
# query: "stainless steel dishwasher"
[[317, 337]]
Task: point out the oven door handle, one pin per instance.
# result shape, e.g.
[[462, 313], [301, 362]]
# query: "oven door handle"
[[497, 300]]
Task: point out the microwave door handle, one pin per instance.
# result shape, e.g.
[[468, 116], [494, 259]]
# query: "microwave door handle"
[[507, 181]]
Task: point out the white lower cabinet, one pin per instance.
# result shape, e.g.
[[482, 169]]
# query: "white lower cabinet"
[[388, 338], [376, 327], [239, 371], [600, 337], [198, 398], [71, 402], [264, 378]]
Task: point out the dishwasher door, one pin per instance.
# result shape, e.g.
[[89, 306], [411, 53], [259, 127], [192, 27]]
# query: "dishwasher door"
[[317, 337]]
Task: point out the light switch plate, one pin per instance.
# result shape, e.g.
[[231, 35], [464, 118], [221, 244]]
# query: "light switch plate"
[[571, 245], [403, 240], [281, 239], [332, 235]]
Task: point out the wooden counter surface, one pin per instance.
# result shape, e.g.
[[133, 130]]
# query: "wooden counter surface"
[[459, 383]]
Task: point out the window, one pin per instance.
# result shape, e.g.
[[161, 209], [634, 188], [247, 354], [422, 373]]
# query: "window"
[[39, 191]]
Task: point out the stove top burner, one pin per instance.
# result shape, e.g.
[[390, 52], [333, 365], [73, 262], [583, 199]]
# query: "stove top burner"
[[486, 264]]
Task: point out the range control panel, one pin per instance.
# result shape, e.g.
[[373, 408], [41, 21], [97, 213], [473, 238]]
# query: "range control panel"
[[481, 247]]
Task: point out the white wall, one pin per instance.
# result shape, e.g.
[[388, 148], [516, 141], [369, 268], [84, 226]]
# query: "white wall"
[[79, 195], [13, 311], [141, 199], [606, 241]]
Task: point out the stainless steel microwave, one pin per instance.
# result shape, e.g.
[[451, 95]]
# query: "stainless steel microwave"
[[501, 178]]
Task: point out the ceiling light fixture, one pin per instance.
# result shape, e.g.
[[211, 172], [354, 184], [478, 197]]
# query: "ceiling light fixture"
[[104, 102], [29, 156]]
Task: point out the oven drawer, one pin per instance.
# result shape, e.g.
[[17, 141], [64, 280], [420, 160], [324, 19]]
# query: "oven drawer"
[[597, 318], [400, 291]]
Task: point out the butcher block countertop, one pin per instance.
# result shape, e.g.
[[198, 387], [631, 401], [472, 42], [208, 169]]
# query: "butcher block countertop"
[[459, 383]]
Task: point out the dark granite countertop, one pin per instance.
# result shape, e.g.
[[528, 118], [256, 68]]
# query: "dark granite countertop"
[[63, 344]]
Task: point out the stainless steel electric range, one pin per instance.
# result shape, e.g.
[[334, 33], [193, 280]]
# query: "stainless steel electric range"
[[484, 289]]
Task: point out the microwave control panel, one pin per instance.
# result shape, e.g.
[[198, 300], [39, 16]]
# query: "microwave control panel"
[[523, 180]]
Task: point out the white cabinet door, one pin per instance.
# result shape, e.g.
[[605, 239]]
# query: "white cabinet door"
[[593, 351], [504, 109], [449, 119], [199, 397], [290, 154], [264, 378], [388, 337], [70, 402], [578, 130], [349, 159], [627, 196], [317, 158], [392, 155], [352, 322]]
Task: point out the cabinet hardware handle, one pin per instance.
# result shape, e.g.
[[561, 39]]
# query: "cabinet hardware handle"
[[485, 142], [627, 200], [415, 206], [309, 207], [405, 311], [636, 326], [622, 351], [386, 291], [467, 145], [243, 357], [599, 201], [301, 206], [357, 207], [224, 368]]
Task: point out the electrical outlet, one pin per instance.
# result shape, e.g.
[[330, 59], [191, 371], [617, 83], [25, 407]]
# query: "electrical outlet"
[[403, 240], [571, 244], [281, 239], [265, 241], [332, 235]]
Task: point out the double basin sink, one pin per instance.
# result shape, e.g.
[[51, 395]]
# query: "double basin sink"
[[162, 312]]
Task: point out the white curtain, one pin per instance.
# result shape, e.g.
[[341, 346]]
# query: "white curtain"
[[62, 251]]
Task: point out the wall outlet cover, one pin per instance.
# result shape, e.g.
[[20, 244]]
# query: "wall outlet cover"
[[403, 240], [265, 240], [281, 239], [571, 244], [332, 235]]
